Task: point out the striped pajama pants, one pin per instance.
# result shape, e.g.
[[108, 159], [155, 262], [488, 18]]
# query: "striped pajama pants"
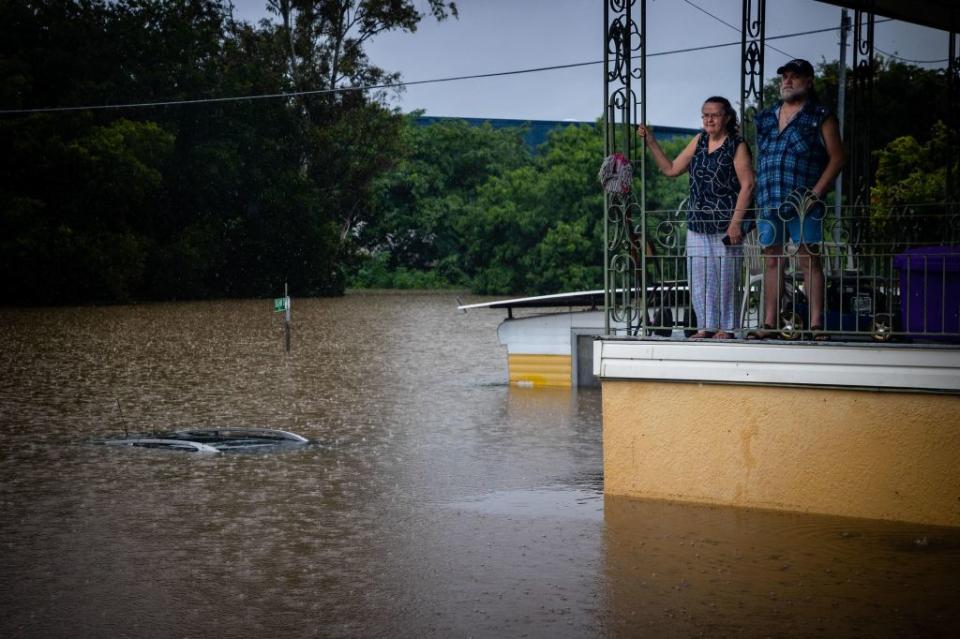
[[713, 272]]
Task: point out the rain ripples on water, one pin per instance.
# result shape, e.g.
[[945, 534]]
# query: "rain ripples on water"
[[438, 500]]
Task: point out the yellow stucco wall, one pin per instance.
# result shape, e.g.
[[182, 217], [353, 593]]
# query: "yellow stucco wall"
[[882, 455]]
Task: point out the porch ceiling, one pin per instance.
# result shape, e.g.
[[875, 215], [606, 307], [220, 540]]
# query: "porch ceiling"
[[938, 14]]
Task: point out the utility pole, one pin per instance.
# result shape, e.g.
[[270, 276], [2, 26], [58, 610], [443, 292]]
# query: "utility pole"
[[841, 104]]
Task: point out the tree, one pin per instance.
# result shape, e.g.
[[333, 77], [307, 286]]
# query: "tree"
[[324, 42], [908, 201], [473, 206], [539, 228], [414, 237], [77, 226], [222, 198], [98, 182], [325, 38]]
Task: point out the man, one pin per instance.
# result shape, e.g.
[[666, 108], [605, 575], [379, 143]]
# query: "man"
[[799, 156]]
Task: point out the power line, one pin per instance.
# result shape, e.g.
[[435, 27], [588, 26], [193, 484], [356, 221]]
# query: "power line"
[[292, 94], [902, 59], [375, 87], [735, 28], [791, 56]]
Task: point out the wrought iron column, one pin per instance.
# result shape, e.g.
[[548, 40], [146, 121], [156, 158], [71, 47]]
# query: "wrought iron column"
[[953, 109], [752, 44], [624, 214], [859, 169], [952, 181]]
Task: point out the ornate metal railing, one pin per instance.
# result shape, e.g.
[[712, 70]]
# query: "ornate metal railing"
[[888, 272], [899, 281]]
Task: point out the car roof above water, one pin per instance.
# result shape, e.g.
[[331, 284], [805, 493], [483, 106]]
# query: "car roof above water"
[[214, 440]]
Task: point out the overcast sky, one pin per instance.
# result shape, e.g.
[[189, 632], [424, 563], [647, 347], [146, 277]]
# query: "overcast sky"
[[505, 35]]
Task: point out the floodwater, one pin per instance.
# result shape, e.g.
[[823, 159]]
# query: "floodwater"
[[439, 501]]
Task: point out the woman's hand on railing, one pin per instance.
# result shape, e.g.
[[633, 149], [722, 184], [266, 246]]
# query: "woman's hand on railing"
[[645, 131]]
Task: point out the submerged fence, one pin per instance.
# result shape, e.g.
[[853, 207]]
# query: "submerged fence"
[[876, 273]]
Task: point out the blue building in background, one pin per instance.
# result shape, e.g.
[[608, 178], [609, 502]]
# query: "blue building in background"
[[537, 130]]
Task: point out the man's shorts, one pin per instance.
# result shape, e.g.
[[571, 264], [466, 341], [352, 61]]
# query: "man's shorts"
[[774, 224]]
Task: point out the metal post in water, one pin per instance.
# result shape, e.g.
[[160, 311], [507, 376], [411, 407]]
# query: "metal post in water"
[[126, 433], [286, 318]]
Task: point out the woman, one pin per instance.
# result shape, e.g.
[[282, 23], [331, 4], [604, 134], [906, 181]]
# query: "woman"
[[721, 185]]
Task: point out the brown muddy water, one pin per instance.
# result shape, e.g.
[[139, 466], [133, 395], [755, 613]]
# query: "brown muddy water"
[[439, 501]]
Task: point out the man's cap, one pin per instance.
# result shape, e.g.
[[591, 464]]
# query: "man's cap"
[[797, 66]]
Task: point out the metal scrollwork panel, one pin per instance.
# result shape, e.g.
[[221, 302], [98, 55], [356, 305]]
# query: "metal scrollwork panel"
[[859, 168], [751, 64], [622, 106], [953, 97], [621, 39], [624, 261], [618, 224], [624, 216], [751, 52], [952, 236], [623, 303], [667, 237], [837, 230], [802, 204]]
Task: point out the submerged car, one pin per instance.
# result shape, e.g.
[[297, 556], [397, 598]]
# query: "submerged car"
[[215, 440]]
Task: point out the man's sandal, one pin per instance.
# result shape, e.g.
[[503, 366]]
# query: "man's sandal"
[[766, 332], [816, 332], [702, 335]]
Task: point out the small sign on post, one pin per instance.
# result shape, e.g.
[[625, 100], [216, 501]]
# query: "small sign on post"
[[280, 305]]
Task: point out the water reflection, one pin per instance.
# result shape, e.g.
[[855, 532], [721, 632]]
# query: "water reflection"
[[686, 570], [440, 501]]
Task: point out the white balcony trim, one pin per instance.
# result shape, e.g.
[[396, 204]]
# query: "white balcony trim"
[[871, 366]]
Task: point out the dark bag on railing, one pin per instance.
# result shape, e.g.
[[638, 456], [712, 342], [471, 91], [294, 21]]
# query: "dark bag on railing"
[[616, 174]]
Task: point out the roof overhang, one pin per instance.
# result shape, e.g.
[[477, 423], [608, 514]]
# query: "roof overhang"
[[937, 14]]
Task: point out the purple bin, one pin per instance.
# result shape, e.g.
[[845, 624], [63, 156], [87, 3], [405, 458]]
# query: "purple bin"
[[930, 290]]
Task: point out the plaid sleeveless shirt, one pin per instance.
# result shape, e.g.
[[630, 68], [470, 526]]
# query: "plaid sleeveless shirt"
[[789, 159]]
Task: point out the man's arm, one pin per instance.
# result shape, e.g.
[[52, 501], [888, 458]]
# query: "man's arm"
[[831, 139]]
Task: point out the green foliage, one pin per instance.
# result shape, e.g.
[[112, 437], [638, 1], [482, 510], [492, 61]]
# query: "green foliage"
[[234, 198], [417, 204], [324, 40], [538, 228], [78, 210], [472, 206], [890, 112], [376, 272], [907, 203], [194, 200], [564, 259], [663, 193]]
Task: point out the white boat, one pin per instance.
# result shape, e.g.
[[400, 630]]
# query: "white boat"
[[551, 347]]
